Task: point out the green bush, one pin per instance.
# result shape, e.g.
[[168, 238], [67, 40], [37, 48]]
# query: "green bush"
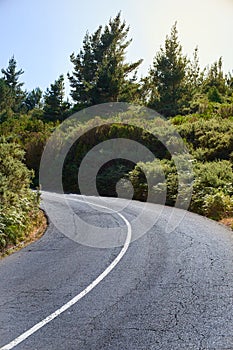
[[212, 192], [31, 134], [217, 206], [161, 179], [208, 140], [19, 205]]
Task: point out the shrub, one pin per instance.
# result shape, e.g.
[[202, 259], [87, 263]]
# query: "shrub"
[[19, 205], [163, 180], [208, 140], [212, 193], [217, 206]]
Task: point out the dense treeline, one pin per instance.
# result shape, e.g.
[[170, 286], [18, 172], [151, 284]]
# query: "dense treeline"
[[174, 85], [198, 102]]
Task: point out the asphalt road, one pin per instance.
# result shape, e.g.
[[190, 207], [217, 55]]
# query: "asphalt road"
[[169, 290]]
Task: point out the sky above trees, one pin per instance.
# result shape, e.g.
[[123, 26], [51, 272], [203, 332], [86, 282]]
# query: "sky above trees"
[[42, 35]]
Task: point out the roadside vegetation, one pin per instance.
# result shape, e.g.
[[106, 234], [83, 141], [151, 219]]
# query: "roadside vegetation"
[[198, 103], [19, 211]]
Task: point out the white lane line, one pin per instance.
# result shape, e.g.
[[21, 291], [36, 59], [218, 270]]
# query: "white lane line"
[[73, 301]]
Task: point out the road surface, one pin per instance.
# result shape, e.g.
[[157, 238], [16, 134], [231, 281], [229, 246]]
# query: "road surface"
[[166, 290]]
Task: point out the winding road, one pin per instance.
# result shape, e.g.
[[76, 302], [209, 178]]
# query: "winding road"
[[165, 290]]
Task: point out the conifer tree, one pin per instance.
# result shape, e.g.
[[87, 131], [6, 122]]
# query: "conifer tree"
[[55, 107], [33, 99], [11, 77], [215, 79], [194, 74], [100, 72], [167, 77], [6, 98]]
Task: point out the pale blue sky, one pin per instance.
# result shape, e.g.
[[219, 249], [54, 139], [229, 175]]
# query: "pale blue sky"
[[42, 34]]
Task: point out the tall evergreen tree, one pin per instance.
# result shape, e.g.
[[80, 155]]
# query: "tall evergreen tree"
[[229, 82], [193, 85], [215, 79], [55, 107], [11, 77], [194, 74], [100, 72], [167, 77], [33, 99], [6, 98]]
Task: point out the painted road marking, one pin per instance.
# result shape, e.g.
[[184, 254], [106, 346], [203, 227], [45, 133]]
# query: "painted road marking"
[[73, 301]]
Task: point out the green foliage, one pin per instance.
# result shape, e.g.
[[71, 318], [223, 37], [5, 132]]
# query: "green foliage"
[[213, 185], [209, 139], [11, 77], [19, 205], [217, 206], [200, 101], [114, 129], [148, 179], [33, 99], [110, 175], [55, 108], [31, 134], [100, 71], [163, 179], [210, 142], [212, 193], [214, 95], [168, 77], [215, 78], [194, 75], [6, 97]]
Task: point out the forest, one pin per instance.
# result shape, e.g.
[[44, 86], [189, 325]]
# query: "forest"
[[197, 102]]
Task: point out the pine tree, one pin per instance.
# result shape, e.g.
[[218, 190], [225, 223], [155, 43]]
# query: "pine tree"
[[229, 82], [33, 99], [100, 71], [11, 77], [167, 77], [55, 107], [194, 74], [6, 98], [193, 85], [215, 78]]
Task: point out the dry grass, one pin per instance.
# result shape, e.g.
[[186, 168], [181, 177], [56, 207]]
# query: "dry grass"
[[228, 222]]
